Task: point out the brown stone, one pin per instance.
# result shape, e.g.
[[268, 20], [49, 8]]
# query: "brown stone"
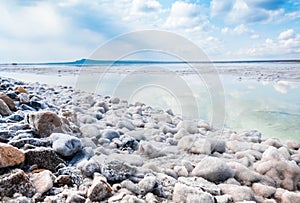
[[10, 156], [10, 103], [21, 89], [100, 189], [45, 123], [4, 109], [16, 182]]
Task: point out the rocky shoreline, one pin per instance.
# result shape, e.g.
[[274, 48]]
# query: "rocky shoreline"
[[63, 145]]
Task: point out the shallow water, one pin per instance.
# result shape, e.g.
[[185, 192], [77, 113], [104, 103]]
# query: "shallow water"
[[272, 107]]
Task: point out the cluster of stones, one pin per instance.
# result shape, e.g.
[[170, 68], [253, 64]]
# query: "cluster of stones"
[[63, 145]]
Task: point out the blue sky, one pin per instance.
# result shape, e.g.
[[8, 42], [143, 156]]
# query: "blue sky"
[[64, 30]]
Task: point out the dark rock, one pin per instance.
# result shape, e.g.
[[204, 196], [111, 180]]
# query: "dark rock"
[[116, 171], [43, 157], [19, 143], [25, 107], [128, 142], [73, 173], [16, 182], [83, 154]]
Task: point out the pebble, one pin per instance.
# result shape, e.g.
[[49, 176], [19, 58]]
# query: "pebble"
[[42, 181], [213, 169], [100, 189], [4, 109], [10, 156], [65, 144]]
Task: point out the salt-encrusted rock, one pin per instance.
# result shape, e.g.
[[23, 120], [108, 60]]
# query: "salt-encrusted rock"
[[290, 197], [126, 123], [246, 176], [188, 165], [131, 186], [238, 193], [217, 145], [147, 184], [180, 134], [86, 119], [42, 181], [149, 150], [293, 144], [249, 136], [273, 164], [10, 156], [273, 142], [116, 170], [75, 197], [213, 169], [237, 146], [43, 157], [19, 143], [46, 123], [24, 98], [90, 130], [65, 144], [190, 126], [195, 144], [73, 173], [100, 189], [110, 134], [224, 199], [263, 190], [10, 103], [128, 142], [16, 182], [200, 184], [4, 109], [181, 171], [90, 167], [184, 193]]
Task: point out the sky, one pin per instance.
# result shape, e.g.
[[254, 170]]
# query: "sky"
[[67, 30]]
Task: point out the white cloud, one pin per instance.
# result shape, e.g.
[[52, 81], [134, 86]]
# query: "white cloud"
[[285, 35], [145, 6], [238, 30], [286, 44], [187, 16], [247, 11]]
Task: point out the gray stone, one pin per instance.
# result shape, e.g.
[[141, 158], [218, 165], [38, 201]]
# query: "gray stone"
[[263, 190], [190, 126], [32, 141], [125, 123], [195, 144], [116, 171], [110, 134], [213, 169], [64, 144], [200, 184]]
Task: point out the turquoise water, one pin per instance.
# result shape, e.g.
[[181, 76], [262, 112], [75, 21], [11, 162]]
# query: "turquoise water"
[[271, 107]]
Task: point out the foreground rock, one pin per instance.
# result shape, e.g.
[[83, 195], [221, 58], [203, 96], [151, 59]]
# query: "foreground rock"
[[10, 156]]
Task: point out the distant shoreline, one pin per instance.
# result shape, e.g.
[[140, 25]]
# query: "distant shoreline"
[[89, 62]]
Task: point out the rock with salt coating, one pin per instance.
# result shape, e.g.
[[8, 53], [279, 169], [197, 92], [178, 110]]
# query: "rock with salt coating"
[[238, 193], [4, 109], [195, 144], [290, 197], [213, 169], [10, 156], [263, 190], [187, 194], [65, 144], [16, 182], [42, 181], [190, 126], [45, 123], [10, 103], [100, 189], [273, 164]]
